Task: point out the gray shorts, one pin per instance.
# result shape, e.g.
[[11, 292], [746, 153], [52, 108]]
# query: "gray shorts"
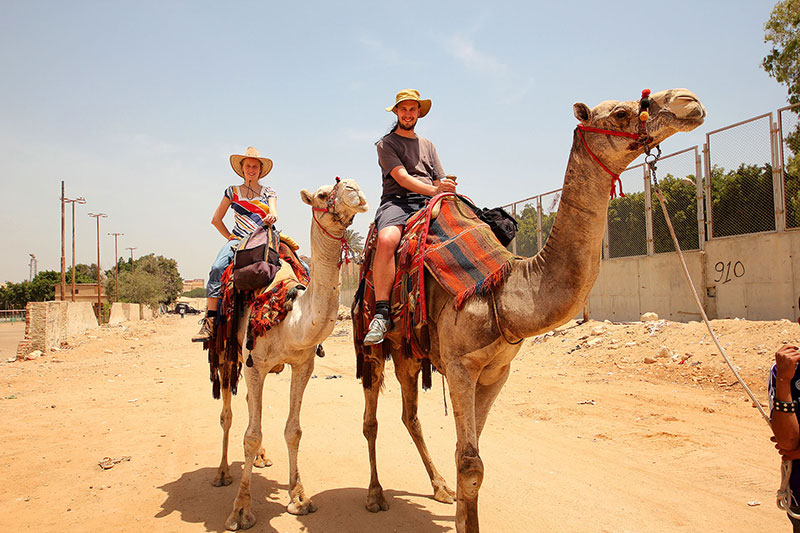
[[394, 211]]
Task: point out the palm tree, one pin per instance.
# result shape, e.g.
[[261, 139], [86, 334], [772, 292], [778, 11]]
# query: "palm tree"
[[355, 244]]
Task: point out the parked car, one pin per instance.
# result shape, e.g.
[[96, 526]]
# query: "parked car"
[[186, 308]]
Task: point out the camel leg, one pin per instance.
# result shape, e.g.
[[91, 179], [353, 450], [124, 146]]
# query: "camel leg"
[[299, 504], [485, 395], [468, 462], [407, 372], [242, 516], [223, 477], [262, 460], [375, 499]]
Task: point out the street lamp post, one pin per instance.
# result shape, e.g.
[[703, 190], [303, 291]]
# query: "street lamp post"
[[97, 217], [133, 270], [132, 267], [73, 201], [116, 267]]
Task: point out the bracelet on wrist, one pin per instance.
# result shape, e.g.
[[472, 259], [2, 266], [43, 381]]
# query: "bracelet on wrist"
[[785, 407]]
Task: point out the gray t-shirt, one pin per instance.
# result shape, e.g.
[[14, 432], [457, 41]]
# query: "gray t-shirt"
[[418, 156]]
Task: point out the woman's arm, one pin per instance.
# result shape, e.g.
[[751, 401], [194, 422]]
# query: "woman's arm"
[[219, 214], [272, 217]]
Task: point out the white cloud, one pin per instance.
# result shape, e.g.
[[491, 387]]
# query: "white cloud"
[[473, 59]]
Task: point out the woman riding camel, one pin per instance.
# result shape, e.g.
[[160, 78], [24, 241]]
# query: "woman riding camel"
[[253, 205]]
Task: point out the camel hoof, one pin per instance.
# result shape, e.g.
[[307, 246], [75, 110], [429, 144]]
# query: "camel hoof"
[[223, 479], [301, 508], [376, 502], [262, 461], [444, 494], [240, 519]]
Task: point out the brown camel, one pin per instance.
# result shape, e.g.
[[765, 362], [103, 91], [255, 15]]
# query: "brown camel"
[[293, 342], [473, 347]]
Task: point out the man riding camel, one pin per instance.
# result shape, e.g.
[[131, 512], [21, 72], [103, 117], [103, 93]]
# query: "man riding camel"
[[411, 172]]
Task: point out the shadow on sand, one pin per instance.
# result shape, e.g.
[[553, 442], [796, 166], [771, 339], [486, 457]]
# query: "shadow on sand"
[[339, 510]]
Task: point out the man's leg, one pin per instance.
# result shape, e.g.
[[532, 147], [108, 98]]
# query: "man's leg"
[[383, 271]]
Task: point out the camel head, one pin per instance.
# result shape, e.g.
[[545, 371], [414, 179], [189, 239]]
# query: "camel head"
[[336, 204], [670, 111]]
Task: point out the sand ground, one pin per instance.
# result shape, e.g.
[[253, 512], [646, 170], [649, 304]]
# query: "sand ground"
[[585, 437]]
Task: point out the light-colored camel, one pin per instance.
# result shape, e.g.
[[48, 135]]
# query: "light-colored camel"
[[539, 294], [293, 342]]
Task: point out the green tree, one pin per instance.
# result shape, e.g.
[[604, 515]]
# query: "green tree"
[[782, 31], [627, 233], [151, 279], [681, 199], [40, 289], [197, 292]]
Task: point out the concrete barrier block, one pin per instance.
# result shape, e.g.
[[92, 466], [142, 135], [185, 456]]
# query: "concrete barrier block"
[[133, 312], [80, 318], [117, 315]]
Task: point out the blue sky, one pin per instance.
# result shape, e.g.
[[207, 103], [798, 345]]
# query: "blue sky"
[[137, 106]]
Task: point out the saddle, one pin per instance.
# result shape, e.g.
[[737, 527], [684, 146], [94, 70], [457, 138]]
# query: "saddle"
[[448, 240], [268, 306]]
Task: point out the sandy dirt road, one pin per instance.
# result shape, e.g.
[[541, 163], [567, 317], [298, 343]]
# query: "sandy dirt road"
[[585, 437]]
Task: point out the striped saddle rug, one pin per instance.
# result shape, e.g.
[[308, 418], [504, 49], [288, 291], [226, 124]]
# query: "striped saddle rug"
[[450, 242]]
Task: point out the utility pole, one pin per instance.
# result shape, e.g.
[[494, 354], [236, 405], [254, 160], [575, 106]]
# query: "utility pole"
[[116, 267], [73, 201], [97, 218], [32, 267], [63, 261], [133, 269]]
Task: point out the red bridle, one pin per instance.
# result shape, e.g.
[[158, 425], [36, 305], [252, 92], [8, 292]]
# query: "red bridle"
[[344, 253], [642, 137]]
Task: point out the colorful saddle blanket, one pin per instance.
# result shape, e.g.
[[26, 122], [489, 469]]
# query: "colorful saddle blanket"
[[449, 241], [268, 307]]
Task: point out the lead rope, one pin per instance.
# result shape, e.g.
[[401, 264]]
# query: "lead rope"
[[784, 494]]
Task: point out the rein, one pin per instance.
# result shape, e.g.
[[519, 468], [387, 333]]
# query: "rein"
[[344, 251], [642, 138]]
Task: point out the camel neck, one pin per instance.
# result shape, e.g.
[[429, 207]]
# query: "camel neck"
[[551, 288]]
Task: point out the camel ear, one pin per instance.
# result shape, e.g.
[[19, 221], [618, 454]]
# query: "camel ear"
[[582, 112], [307, 196]]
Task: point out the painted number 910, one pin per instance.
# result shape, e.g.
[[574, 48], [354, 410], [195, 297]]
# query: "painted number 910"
[[726, 269]]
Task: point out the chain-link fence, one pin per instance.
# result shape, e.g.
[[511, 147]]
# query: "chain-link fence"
[[626, 233], [789, 146], [679, 184], [740, 178], [535, 217]]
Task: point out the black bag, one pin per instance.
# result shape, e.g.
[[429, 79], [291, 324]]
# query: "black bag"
[[503, 225], [256, 261]]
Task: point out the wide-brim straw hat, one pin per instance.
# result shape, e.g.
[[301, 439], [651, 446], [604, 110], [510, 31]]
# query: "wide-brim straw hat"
[[411, 94], [236, 162]]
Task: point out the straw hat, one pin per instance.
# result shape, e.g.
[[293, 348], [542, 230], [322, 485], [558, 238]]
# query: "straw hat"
[[236, 162], [411, 94]]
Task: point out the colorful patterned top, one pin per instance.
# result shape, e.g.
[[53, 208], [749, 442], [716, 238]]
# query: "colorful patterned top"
[[249, 212]]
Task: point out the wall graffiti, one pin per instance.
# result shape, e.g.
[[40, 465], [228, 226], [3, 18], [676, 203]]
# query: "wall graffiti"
[[728, 271]]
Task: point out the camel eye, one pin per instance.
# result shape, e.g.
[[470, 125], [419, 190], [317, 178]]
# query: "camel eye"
[[621, 114]]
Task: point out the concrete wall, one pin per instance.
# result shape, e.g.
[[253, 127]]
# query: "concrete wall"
[[755, 277], [125, 312], [49, 324]]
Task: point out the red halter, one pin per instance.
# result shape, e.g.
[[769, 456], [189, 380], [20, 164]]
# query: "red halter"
[[642, 137], [344, 253]]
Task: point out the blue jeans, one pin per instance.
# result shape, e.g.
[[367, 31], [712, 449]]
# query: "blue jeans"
[[224, 258]]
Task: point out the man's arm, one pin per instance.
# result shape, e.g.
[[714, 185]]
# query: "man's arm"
[[785, 425], [409, 182]]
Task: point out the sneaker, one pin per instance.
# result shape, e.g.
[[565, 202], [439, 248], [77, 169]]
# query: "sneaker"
[[377, 330], [206, 329]]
